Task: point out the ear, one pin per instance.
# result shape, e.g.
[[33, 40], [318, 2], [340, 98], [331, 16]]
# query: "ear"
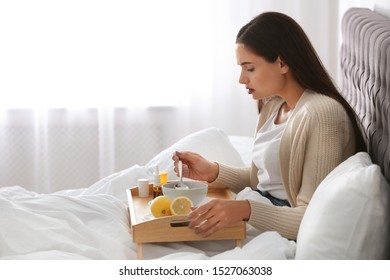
[[282, 65]]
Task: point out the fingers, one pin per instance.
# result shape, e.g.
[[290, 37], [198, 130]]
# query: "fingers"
[[198, 214], [185, 170], [204, 221], [208, 227], [176, 156], [185, 157], [217, 214]]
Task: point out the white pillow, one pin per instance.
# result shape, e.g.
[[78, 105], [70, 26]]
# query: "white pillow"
[[212, 143], [244, 146], [348, 216]]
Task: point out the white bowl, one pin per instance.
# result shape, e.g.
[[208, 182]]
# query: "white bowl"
[[196, 191]]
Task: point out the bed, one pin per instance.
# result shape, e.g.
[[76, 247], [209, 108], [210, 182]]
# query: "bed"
[[347, 218]]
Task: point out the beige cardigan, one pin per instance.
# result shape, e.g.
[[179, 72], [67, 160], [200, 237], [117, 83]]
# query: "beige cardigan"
[[318, 136]]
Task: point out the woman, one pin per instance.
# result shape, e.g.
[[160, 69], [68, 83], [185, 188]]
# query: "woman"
[[305, 129]]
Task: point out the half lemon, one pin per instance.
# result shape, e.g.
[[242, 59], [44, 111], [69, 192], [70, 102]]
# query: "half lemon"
[[160, 206], [181, 205]]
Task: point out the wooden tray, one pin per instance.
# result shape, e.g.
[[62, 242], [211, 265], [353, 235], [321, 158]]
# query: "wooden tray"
[[146, 229]]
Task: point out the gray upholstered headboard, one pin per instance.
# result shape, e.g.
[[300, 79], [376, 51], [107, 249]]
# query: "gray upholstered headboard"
[[365, 64]]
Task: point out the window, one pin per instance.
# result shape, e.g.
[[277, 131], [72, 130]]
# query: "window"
[[81, 53]]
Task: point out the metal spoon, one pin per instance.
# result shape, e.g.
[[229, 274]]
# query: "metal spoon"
[[181, 185]]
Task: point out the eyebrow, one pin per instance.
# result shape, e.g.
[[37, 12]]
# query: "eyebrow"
[[245, 63]]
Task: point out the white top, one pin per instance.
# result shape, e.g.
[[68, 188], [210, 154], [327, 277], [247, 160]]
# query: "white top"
[[266, 158]]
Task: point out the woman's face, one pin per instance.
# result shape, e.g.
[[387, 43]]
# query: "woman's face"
[[260, 77]]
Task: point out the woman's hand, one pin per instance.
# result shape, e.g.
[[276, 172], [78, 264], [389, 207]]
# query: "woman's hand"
[[196, 167], [217, 214]]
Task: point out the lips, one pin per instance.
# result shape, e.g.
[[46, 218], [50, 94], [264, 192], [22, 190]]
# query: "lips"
[[250, 90]]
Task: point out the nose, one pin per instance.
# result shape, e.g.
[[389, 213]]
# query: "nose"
[[242, 79]]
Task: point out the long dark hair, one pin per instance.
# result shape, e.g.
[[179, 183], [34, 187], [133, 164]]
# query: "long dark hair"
[[272, 35]]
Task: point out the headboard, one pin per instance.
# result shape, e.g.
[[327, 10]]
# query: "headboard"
[[365, 64]]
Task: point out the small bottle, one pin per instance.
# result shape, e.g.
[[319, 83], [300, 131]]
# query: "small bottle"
[[163, 177], [157, 190]]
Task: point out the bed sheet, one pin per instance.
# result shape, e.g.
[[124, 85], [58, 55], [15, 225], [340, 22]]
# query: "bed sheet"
[[93, 223]]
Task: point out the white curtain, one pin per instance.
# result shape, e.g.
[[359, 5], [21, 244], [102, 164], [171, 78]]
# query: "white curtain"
[[92, 87]]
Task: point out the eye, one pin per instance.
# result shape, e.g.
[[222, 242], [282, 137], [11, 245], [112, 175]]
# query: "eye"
[[251, 69]]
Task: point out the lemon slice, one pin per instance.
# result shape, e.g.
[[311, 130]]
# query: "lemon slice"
[[181, 205], [160, 206]]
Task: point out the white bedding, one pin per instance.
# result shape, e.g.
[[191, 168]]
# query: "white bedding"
[[59, 226], [93, 223], [350, 211]]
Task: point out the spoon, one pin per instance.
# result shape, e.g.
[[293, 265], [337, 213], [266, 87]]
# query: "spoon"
[[181, 185]]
